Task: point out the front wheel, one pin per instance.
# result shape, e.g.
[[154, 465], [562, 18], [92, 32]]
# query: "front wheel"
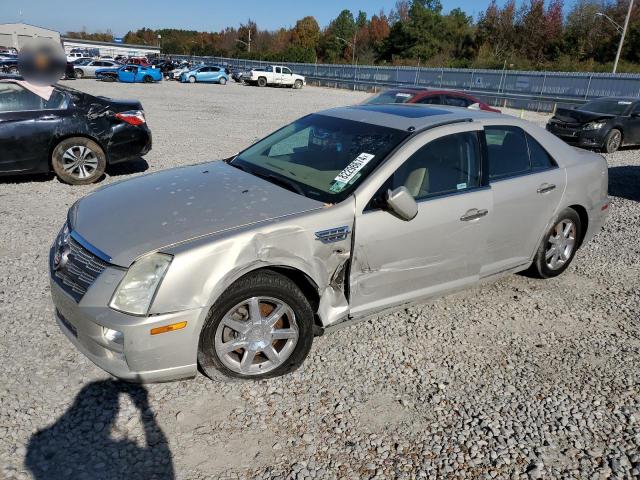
[[79, 73], [261, 327], [613, 141], [192, 79], [558, 246], [147, 79], [298, 84], [223, 81], [78, 161]]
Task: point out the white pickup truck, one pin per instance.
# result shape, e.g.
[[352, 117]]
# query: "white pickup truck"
[[275, 75]]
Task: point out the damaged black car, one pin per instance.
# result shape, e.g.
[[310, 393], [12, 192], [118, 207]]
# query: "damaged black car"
[[68, 132], [605, 124]]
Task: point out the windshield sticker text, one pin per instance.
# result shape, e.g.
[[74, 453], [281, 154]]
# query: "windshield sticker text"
[[350, 172]]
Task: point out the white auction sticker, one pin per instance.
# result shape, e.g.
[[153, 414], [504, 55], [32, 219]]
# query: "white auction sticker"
[[350, 172]]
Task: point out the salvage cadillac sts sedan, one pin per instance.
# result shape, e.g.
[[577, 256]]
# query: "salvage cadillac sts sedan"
[[235, 265]]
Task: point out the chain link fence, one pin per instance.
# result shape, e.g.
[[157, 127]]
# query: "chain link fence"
[[529, 90]]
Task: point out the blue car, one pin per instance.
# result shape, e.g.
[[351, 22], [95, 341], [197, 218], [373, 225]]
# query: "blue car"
[[130, 74], [205, 73]]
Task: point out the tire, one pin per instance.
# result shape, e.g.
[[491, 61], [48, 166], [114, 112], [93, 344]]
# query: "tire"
[[223, 81], [78, 161], [270, 290], [613, 141], [297, 85], [147, 79], [545, 264], [109, 78], [262, 82], [79, 73], [13, 70], [192, 79]]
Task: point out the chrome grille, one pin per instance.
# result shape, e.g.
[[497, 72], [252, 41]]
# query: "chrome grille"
[[79, 272]]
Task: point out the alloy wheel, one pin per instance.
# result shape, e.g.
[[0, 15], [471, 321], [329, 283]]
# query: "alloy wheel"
[[614, 142], [560, 244], [256, 336], [80, 161]]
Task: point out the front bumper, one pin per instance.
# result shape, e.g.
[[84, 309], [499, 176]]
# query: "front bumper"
[[141, 357], [578, 136]]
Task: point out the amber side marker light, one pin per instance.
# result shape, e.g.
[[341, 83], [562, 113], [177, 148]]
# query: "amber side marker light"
[[168, 328]]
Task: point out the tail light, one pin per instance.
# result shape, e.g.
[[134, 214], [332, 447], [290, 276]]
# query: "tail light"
[[132, 117]]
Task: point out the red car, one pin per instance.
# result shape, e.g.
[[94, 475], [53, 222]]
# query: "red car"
[[142, 61], [430, 97]]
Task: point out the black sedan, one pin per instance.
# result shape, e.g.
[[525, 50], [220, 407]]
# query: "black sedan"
[[71, 133], [604, 123]]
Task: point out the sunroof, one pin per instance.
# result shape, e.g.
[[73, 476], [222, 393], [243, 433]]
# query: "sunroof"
[[402, 110]]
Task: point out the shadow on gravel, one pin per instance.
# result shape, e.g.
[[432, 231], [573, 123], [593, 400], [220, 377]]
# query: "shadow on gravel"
[[137, 165], [81, 445], [624, 182]]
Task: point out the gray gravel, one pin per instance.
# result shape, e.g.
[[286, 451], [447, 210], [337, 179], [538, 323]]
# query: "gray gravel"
[[519, 379]]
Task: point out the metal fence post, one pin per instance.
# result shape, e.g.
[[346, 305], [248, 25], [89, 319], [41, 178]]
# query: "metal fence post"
[[586, 93], [544, 81], [441, 76], [471, 81]]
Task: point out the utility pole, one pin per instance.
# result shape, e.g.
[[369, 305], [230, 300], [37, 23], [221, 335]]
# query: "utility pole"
[[624, 32], [249, 43]]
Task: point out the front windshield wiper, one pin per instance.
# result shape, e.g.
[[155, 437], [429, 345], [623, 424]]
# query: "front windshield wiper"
[[271, 177]]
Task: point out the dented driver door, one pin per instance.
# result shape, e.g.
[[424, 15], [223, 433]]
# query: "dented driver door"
[[442, 249]]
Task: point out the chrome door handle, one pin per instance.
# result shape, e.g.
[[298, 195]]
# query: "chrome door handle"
[[473, 214], [49, 117], [545, 187]]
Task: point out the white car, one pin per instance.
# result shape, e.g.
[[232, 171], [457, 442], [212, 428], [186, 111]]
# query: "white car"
[[275, 75], [72, 57], [176, 72], [89, 69]]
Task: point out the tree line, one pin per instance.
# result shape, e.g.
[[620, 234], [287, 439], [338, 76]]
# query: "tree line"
[[538, 35]]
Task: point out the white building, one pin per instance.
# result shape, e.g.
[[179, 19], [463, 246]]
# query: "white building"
[[17, 35], [110, 48]]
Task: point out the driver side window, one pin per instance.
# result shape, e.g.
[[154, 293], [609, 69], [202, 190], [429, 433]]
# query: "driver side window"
[[446, 165]]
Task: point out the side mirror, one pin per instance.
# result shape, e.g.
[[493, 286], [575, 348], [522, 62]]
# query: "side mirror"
[[474, 106], [400, 202], [635, 114]]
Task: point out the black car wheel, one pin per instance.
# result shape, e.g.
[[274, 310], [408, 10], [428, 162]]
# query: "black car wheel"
[[147, 79], [261, 327], [613, 141], [79, 73], [108, 78], [13, 70], [262, 82], [78, 161]]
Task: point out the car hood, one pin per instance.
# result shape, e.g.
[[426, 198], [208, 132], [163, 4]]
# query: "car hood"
[[570, 115], [151, 212]]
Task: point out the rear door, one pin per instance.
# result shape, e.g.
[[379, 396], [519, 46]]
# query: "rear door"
[[27, 125], [632, 133], [527, 187], [397, 261]]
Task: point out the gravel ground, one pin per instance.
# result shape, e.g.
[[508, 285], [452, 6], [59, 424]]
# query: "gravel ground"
[[518, 379]]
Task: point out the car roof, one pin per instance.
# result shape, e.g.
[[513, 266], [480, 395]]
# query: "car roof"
[[617, 99], [404, 116]]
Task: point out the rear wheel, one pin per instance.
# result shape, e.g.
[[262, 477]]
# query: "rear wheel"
[[261, 327], [558, 246], [223, 81], [147, 79], [13, 70], [78, 161], [613, 141], [109, 78], [262, 82], [192, 79]]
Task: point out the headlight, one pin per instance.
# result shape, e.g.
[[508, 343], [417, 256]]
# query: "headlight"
[[138, 287], [594, 125]]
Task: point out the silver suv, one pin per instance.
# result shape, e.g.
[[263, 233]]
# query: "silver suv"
[[235, 265]]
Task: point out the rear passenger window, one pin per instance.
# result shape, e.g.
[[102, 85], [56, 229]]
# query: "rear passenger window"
[[514, 152], [445, 165], [433, 100], [540, 159]]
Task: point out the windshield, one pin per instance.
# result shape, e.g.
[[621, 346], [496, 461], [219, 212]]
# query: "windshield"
[[390, 96], [607, 107], [320, 157]]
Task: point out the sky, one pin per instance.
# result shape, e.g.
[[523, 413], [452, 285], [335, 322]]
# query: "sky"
[[120, 16]]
